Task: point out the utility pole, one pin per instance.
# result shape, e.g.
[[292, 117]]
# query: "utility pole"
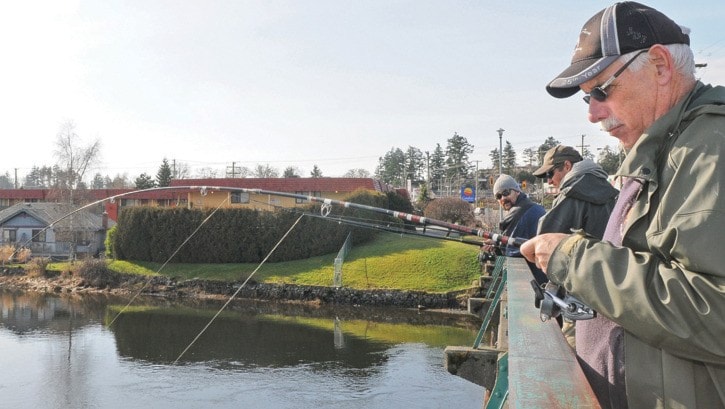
[[475, 190], [427, 167], [233, 171], [500, 166], [584, 147]]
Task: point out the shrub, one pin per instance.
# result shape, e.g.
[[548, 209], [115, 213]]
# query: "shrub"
[[96, 273], [23, 255], [6, 253], [110, 242], [450, 209], [37, 267]]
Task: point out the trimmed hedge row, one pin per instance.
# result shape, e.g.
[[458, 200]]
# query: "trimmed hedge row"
[[243, 235]]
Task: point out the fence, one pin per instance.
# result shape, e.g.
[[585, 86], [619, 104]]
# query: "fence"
[[337, 277]]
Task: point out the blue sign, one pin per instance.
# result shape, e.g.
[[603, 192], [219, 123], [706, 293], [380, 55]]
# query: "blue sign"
[[468, 193]]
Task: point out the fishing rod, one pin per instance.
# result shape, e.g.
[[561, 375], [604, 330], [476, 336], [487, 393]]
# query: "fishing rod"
[[495, 238], [551, 300], [554, 305], [397, 230]]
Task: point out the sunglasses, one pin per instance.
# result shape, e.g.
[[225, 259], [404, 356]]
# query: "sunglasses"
[[599, 92], [503, 193], [550, 173]]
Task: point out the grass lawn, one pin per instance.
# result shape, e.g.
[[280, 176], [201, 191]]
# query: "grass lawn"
[[391, 261]]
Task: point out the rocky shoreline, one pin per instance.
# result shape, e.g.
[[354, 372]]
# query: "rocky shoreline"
[[16, 279]]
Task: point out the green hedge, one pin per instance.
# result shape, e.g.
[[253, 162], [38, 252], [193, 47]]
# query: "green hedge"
[[243, 235]]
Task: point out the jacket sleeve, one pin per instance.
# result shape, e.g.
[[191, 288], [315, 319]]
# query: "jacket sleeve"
[[526, 228], [667, 286], [563, 217]]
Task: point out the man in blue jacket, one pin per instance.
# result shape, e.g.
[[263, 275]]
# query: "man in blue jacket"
[[521, 218]]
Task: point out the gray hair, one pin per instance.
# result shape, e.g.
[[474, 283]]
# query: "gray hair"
[[682, 57]]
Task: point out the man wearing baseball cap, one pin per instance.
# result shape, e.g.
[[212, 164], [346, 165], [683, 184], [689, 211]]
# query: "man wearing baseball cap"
[[585, 198], [584, 202], [657, 278]]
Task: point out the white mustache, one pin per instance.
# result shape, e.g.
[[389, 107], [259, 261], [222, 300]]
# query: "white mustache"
[[609, 123]]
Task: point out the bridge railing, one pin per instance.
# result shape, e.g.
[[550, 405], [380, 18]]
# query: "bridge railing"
[[542, 368]]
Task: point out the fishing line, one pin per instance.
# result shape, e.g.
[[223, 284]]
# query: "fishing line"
[[394, 226], [168, 260], [239, 289]]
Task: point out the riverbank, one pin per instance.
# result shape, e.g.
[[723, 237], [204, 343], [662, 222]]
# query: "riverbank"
[[161, 286]]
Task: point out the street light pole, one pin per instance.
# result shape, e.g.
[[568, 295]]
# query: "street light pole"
[[500, 165]]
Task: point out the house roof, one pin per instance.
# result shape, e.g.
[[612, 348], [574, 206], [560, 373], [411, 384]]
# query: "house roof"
[[99, 194], [23, 193], [291, 185], [55, 213]]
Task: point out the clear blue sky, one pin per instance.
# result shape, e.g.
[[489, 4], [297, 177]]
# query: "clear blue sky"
[[329, 82]]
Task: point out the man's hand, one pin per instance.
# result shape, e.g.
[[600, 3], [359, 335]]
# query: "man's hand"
[[488, 246], [538, 249]]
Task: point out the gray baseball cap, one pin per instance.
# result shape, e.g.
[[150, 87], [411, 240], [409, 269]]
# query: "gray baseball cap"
[[616, 30]]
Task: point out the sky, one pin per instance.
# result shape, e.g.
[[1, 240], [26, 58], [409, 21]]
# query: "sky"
[[332, 83]]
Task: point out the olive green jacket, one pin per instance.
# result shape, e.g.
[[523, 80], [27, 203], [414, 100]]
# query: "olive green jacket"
[[666, 285]]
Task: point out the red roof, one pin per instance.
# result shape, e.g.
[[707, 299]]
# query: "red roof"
[[291, 185], [150, 195], [23, 193], [287, 185]]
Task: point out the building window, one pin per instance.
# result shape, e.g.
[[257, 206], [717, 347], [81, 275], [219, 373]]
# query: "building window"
[[10, 235], [239, 197], [39, 236], [5, 202]]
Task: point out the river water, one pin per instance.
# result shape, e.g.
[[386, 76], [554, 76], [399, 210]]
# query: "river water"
[[94, 351]]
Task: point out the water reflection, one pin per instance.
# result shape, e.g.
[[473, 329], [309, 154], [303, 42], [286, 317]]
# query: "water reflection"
[[59, 352], [161, 334]]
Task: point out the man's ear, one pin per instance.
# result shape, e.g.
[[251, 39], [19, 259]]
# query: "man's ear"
[[660, 57]]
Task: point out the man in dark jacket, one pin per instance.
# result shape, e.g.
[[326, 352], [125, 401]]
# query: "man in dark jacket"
[[585, 200]]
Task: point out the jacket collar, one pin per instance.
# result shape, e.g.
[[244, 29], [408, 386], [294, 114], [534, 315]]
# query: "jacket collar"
[[641, 160]]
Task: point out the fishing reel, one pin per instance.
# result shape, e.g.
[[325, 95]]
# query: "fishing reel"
[[552, 301], [485, 256]]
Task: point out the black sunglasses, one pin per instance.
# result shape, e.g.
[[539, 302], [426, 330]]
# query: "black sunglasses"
[[503, 193], [599, 92], [550, 173]]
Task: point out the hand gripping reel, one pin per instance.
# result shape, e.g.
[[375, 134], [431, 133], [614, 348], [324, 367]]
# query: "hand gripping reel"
[[552, 301]]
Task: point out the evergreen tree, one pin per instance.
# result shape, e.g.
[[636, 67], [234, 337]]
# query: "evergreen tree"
[[457, 152], [414, 164], [164, 176], [265, 171], [437, 166], [495, 159], [609, 159], [548, 144], [291, 172], [316, 172], [144, 181], [391, 167], [6, 182], [98, 182], [509, 158]]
